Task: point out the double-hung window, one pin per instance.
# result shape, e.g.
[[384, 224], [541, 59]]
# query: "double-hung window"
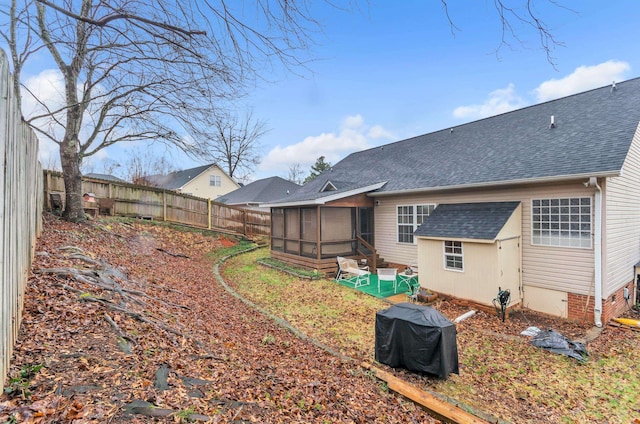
[[453, 258], [214, 180], [409, 218], [564, 222]]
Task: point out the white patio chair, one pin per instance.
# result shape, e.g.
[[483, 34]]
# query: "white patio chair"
[[387, 274], [348, 269]]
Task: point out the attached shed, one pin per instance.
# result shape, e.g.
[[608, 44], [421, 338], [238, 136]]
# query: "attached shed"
[[470, 250]]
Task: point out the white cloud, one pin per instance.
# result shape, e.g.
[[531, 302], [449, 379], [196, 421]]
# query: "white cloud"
[[582, 79], [354, 136], [499, 101], [49, 154], [352, 122], [377, 132], [45, 92], [47, 87]]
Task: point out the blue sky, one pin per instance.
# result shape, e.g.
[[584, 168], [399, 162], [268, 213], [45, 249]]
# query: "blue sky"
[[394, 69]]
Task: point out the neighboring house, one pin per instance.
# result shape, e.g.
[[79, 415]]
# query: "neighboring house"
[[207, 181], [265, 190], [106, 177], [543, 201]]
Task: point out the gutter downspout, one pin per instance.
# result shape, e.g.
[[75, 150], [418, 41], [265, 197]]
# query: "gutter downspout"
[[597, 251]]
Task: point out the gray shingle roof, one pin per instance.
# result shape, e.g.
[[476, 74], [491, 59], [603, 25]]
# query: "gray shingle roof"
[[178, 179], [259, 191], [592, 135], [479, 221], [106, 177]]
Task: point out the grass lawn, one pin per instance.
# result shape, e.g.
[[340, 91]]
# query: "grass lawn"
[[501, 373]]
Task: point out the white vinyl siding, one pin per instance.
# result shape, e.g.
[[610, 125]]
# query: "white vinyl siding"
[[555, 268], [201, 185], [621, 234]]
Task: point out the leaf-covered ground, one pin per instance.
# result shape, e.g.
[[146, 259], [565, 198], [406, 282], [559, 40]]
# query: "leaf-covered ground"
[[153, 336], [501, 373], [124, 321]]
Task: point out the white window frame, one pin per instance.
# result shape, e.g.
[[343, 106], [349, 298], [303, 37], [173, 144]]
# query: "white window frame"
[[562, 222], [457, 254], [415, 219], [216, 180]]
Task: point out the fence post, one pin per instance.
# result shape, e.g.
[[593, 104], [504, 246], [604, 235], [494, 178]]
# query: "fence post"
[[45, 190], [244, 222], [208, 214], [164, 205]]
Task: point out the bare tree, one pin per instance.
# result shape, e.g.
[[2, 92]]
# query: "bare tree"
[[515, 18], [109, 166], [295, 173], [135, 70], [18, 33], [234, 143], [140, 164]]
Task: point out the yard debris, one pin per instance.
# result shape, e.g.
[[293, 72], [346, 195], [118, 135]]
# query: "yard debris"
[[557, 343], [628, 321], [531, 331], [76, 313], [464, 316]]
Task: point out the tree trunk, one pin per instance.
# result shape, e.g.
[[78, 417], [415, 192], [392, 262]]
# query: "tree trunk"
[[72, 183]]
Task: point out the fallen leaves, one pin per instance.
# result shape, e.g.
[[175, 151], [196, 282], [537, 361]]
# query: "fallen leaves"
[[501, 373], [224, 360]]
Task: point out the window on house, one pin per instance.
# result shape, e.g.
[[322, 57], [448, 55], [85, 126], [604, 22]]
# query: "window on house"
[[453, 258], [409, 218], [215, 181], [561, 222]]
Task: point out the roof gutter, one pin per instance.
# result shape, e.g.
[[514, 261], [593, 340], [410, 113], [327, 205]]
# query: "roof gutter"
[[326, 199], [559, 178]]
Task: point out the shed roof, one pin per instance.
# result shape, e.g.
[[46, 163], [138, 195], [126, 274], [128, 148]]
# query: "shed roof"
[[480, 221], [591, 136]]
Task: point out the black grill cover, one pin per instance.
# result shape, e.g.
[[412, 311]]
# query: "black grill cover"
[[418, 338]]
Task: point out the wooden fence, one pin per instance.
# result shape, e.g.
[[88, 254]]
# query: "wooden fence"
[[20, 212], [165, 205]]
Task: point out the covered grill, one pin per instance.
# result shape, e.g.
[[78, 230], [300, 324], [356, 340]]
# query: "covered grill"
[[418, 338]]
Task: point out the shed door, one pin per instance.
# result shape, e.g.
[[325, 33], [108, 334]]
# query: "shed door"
[[509, 267]]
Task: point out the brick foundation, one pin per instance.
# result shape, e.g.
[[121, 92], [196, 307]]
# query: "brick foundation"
[[580, 307]]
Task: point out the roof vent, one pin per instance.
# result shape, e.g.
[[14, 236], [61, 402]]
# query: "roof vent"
[[613, 86], [553, 122], [328, 186], [451, 130]]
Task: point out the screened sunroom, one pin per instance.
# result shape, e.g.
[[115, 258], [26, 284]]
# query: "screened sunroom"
[[313, 236]]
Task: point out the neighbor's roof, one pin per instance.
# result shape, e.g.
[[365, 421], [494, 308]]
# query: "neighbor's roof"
[[591, 136], [178, 179], [106, 177], [259, 191], [480, 221]]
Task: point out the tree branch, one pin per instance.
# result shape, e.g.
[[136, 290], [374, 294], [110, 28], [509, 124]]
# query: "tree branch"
[[120, 16]]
